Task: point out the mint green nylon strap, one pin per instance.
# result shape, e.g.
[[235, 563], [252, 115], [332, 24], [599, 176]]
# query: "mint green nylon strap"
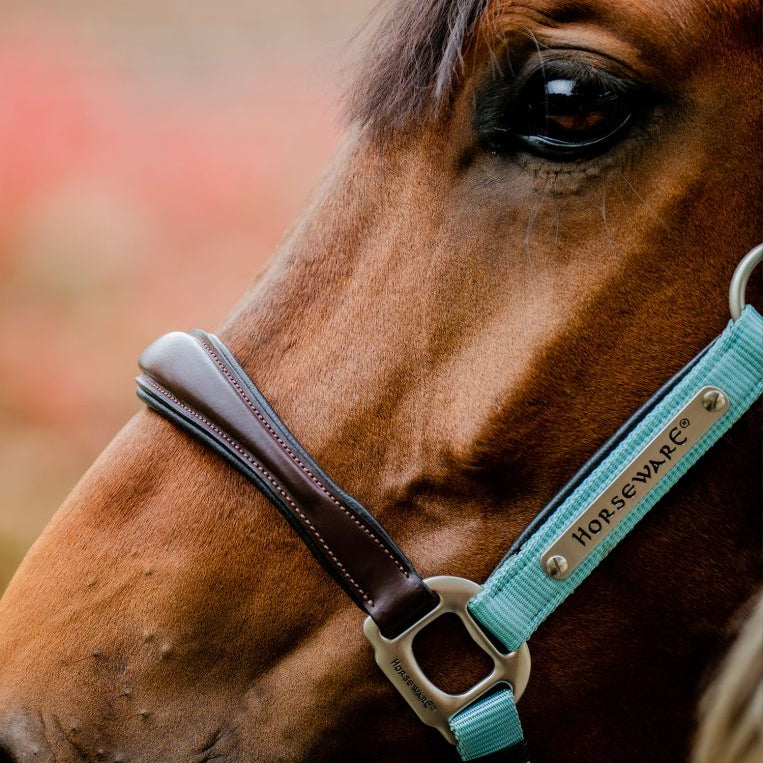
[[488, 726], [519, 595]]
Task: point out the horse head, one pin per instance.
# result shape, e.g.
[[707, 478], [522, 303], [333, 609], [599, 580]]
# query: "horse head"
[[531, 224]]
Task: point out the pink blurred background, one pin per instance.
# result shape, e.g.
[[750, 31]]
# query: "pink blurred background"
[[151, 155]]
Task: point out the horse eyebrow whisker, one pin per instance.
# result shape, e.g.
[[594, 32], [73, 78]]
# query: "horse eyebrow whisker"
[[558, 223], [604, 220], [655, 216], [532, 218]]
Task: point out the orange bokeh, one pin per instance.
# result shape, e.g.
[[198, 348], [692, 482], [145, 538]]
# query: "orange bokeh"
[[143, 183]]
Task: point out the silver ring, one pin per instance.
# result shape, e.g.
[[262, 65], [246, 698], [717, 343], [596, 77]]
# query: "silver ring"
[[740, 278]]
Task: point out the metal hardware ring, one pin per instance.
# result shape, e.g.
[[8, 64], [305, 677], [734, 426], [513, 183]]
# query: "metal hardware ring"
[[740, 278], [433, 705]]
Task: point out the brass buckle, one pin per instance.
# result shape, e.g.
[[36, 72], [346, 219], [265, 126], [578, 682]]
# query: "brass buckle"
[[434, 706]]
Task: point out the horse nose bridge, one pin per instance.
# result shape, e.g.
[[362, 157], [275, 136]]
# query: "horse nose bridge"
[[22, 739]]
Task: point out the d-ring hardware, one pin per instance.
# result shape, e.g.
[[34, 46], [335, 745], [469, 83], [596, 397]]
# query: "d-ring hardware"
[[433, 705], [740, 278]]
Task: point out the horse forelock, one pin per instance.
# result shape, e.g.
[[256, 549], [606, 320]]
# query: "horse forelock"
[[413, 60]]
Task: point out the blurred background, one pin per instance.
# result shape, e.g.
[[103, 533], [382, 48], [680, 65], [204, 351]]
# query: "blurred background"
[[151, 155]]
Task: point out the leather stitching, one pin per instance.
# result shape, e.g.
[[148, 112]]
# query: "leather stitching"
[[268, 476], [284, 446]]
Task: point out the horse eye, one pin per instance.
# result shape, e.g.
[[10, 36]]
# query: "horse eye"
[[568, 114]]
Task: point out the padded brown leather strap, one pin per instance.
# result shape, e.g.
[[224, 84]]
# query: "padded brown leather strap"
[[196, 382]]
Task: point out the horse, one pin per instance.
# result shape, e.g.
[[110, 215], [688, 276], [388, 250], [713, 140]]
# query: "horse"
[[530, 225]]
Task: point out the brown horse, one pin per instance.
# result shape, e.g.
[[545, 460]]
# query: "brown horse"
[[531, 226]]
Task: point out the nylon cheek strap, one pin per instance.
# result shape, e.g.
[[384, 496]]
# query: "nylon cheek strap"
[[490, 730], [520, 594], [525, 589]]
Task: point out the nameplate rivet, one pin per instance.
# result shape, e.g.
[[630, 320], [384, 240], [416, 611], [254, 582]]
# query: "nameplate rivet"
[[556, 565], [714, 400]]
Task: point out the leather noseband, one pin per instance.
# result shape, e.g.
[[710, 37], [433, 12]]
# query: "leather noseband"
[[193, 380]]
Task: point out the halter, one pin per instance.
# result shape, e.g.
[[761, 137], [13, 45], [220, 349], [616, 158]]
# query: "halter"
[[193, 380]]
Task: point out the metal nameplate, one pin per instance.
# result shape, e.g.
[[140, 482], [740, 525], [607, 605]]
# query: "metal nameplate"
[[633, 483]]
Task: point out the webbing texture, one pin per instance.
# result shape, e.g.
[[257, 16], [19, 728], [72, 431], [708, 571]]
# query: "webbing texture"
[[490, 725], [519, 595]]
